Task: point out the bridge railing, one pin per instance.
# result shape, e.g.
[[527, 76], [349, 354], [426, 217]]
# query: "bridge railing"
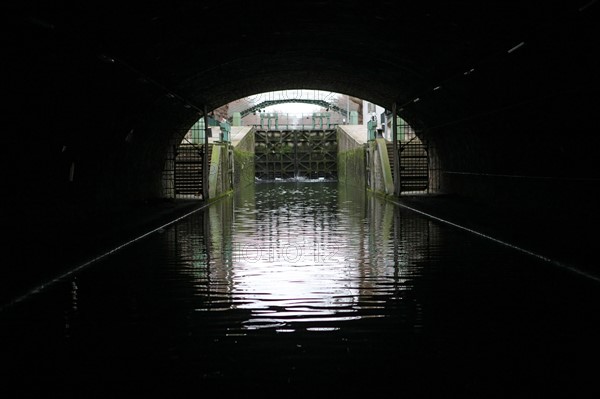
[[293, 121]]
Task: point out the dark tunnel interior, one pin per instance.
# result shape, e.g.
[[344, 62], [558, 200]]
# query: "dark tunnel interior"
[[505, 92]]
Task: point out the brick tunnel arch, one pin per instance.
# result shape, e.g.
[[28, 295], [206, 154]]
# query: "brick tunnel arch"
[[505, 93]]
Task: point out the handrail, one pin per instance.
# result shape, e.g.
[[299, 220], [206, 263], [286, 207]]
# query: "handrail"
[[289, 126], [407, 143], [198, 147]]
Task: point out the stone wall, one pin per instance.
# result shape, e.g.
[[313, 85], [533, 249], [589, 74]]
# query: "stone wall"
[[220, 180], [350, 160], [378, 168], [243, 155]]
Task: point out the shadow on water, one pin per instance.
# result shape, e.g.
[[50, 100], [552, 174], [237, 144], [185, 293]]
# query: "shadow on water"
[[311, 287]]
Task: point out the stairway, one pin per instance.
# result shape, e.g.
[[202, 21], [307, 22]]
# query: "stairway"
[[414, 165], [188, 169]]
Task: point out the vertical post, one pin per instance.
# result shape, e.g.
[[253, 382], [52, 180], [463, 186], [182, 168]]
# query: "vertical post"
[[348, 108], [296, 171], [395, 149], [237, 119], [205, 165], [174, 171], [196, 132]]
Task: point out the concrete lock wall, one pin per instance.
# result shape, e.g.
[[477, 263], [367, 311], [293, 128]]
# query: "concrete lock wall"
[[379, 171], [220, 179], [243, 156], [361, 164], [350, 159]]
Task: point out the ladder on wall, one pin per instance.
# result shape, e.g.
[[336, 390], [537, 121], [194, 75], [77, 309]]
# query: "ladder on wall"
[[188, 169], [414, 164]]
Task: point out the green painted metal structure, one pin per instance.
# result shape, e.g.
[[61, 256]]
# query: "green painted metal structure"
[[371, 130], [269, 103], [225, 131], [295, 153]]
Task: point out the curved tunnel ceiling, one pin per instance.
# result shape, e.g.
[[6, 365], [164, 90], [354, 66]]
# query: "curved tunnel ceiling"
[[102, 70], [212, 53]]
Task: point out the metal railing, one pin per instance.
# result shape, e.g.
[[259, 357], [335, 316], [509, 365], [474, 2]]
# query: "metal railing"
[[299, 121]]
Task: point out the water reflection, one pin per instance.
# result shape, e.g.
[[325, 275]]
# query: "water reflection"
[[292, 253], [303, 285]]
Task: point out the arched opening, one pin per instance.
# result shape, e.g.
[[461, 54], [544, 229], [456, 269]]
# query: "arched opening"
[[295, 137]]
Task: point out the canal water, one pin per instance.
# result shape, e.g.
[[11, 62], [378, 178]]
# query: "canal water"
[[306, 287]]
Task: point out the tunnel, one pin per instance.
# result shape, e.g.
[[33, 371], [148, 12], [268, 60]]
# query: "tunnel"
[[506, 93]]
